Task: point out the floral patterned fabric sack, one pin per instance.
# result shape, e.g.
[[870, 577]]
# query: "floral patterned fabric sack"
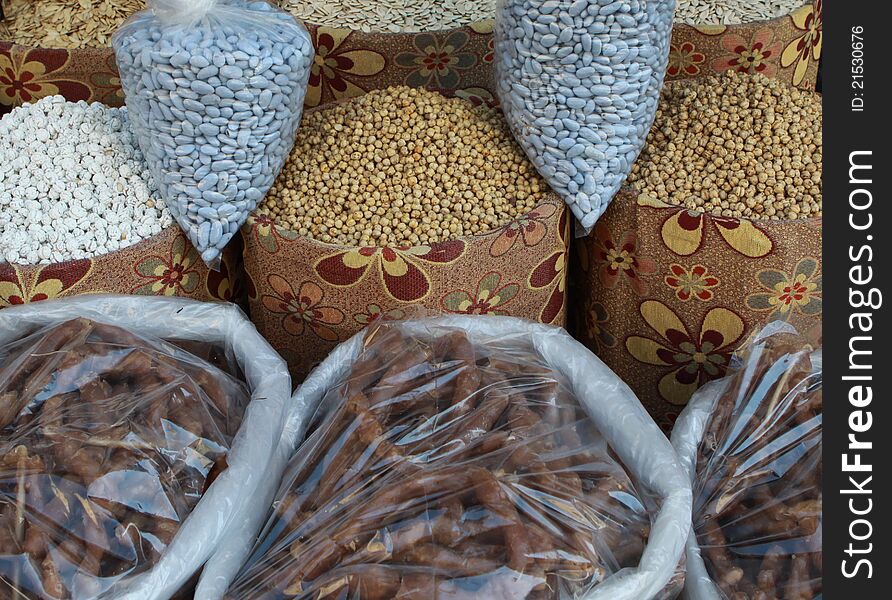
[[306, 296], [665, 295], [163, 265]]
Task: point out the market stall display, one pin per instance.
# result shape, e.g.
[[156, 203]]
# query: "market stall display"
[[126, 460], [467, 455], [458, 59], [215, 92], [80, 213], [399, 198], [752, 445], [579, 82]]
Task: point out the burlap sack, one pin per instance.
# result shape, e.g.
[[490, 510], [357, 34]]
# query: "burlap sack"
[[163, 265], [350, 63], [665, 295], [306, 296]]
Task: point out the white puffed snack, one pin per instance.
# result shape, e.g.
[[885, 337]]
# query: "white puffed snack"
[[73, 183], [215, 90], [579, 82]]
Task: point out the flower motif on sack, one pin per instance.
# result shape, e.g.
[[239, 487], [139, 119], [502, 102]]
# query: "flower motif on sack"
[[489, 297], [807, 47], [695, 282], [490, 54], [334, 70], [683, 231], [303, 310], [27, 75], [172, 275], [225, 284], [266, 232], [757, 55], [45, 283], [690, 359], [620, 261], [477, 96], [107, 84], [530, 230], [596, 318], [785, 294], [373, 312], [399, 268], [436, 62], [684, 59], [552, 273]]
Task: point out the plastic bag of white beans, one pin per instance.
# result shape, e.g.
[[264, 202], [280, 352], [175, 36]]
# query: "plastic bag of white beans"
[[215, 91], [579, 82]]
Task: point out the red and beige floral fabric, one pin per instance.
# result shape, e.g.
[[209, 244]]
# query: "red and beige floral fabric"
[[665, 295], [306, 296], [164, 265]]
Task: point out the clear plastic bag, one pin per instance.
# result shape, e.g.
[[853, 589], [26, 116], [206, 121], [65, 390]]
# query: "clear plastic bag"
[[579, 82], [752, 443], [125, 460], [107, 442], [449, 458], [215, 91]]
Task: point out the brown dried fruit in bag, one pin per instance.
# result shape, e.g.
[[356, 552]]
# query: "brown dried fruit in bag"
[[440, 468], [107, 442], [757, 508]]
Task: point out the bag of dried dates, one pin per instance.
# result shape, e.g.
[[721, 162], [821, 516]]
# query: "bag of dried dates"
[[752, 445], [125, 459], [468, 458]]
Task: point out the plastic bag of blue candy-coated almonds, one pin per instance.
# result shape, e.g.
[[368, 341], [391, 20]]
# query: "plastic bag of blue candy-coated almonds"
[[215, 91], [579, 82]]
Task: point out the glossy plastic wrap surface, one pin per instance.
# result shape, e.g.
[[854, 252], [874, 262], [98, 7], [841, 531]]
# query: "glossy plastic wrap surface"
[[125, 459], [469, 458], [215, 91], [752, 444]]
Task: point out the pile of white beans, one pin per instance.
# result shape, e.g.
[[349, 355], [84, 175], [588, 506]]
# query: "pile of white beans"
[[73, 183]]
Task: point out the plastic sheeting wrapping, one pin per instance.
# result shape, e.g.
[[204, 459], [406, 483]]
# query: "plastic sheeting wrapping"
[[617, 421], [751, 443], [227, 506]]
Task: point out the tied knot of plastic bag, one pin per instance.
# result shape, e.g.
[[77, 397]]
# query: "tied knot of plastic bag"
[[181, 12]]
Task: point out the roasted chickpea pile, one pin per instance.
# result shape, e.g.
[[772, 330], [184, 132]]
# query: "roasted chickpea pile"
[[402, 166], [735, 145]]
